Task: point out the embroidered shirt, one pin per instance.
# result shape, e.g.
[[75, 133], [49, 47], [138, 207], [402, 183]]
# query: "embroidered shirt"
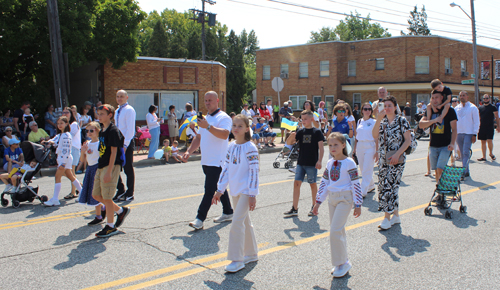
[[340, 175]]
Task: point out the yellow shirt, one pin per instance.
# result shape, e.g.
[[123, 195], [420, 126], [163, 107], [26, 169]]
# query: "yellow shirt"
[[167, 149], [35, 137]]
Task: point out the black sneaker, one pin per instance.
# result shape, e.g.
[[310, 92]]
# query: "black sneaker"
[[118, 196], [311, 212], [96, 221], [292, 212], [107, 232], [129, 198], [121, 217]]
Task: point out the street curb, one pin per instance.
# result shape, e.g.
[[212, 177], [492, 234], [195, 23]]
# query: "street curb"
[[154, 162]]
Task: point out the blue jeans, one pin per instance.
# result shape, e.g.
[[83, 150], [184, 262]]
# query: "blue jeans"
[[464, 142], [155, 138], [311, 171], [439, 157]]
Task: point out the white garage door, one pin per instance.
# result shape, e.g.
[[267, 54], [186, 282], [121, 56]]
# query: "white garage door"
[[141, 102], [179, 100]]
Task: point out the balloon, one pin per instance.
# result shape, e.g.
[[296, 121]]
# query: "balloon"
[[158, 154]]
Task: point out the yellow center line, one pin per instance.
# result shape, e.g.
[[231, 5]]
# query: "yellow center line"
[[224, 263]]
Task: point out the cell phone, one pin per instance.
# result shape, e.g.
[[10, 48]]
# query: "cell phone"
[[380, 107], [200, 115]]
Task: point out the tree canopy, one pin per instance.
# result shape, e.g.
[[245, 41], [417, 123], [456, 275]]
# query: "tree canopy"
[[353, 27], [417, 23]]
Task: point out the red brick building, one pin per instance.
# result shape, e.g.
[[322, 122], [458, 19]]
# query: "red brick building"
[[151, 80], [353, 71]]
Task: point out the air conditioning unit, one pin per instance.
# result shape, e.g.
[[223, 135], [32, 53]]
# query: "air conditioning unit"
[[283, 75], [448, 71], [465, 73]]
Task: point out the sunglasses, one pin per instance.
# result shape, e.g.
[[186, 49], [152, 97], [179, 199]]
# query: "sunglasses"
[[454, 101], [341, 112], [486, 98], [8, 130], [103, 108], [367, 109], [90, 131], [65, 112]]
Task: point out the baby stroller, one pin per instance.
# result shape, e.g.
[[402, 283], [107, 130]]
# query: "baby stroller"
[[289, 158], [24, 192], [447, 191]]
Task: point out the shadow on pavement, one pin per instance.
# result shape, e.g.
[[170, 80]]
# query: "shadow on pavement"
[[405, 246], [460, 220], [234, 280], [77, 234], [307, 228], [370, 201], [84, 253], [337, 283], [201, 242]]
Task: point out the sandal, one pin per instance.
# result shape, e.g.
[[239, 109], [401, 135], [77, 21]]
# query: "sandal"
[[493, 157], [481, 159], [71, 195]]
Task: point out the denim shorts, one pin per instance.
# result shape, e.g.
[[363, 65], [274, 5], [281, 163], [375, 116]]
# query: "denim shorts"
[[312, 173], [269, 134], [75, 152], [439, 157]]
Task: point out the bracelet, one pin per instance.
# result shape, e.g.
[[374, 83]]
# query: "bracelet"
[[357, 206]]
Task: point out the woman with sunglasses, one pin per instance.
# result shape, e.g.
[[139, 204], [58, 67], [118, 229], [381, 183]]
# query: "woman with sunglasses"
[[340, 123], [8, 135], [366, 148]]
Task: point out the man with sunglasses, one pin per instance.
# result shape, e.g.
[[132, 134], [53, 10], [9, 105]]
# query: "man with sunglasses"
[[488, 115], [125, 121], [37, 134]]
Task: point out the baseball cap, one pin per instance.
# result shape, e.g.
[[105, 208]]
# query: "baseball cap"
[[13, 141]]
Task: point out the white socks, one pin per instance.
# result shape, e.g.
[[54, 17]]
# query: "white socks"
[[120, 210], [76, 183], [57, 189]]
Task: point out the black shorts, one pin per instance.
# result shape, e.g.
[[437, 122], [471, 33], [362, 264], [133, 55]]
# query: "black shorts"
[[486, 133]]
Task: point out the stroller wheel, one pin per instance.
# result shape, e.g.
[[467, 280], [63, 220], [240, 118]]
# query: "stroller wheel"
[[5, 202], [428, 211], [15, 204], [287, 165], [276, 164], [463, 209], [44, 198], [448, 215]]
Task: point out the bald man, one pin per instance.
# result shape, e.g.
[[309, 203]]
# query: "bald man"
[[125, 121], [382, 94]]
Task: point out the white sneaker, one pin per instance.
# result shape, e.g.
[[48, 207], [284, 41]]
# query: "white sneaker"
[[235, 267], [292, 170], [342, 270], [197, 224], [8, 187], [395, 220], [224, 218], [51, 202], [385, 224], [250, 259]]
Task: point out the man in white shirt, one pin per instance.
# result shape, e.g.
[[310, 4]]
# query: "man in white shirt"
[[125, 121], [382, 94], [269, 107], [467, 128], [212, 138]]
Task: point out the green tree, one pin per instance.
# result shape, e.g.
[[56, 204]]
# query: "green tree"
[[158, 43], [235, 74], [325, 34], [356, 28], [417, 23]]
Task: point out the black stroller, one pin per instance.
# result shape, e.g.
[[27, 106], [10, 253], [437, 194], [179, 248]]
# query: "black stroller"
[[289, 157], [24, 192]]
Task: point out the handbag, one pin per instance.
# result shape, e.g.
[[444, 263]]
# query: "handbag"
[[390, 153]]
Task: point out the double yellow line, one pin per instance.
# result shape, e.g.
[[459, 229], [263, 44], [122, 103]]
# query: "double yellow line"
[[202, 268]]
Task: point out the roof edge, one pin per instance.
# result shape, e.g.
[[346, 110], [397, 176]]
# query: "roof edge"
[[184, 60]]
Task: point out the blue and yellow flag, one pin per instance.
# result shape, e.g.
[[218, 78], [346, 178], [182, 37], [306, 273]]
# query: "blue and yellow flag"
[[289, 125], [183, 128]]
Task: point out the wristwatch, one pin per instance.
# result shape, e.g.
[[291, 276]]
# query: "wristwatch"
[[208, 127]]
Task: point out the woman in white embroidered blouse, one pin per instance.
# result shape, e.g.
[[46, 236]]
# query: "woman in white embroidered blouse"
[[365, 148], [241, 172]]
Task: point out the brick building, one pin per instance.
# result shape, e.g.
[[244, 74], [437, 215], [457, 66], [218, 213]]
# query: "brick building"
[[151, 80], [354, 70]]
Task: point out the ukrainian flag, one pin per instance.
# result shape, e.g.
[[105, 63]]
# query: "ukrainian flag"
[[289, 125], [183, 128]]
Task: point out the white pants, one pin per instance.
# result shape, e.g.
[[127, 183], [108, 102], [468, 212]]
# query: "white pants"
[[340, 205], [365, 152], [241, 236]]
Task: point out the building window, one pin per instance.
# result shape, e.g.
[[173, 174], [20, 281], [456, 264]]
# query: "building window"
[[447, 65], [266, 72], [298, 102], [351, 68], [316, 100], [329, 100], [324, 68], [303, 70], [284, 70], [356, 99], [421, 65], [379, 64], [463, 65]]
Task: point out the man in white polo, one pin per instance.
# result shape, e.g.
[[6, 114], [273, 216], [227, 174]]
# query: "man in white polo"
[[125, 121], [212, 137]]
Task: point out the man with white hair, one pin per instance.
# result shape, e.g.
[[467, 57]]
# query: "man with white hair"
[[382, 94], [37, 134]]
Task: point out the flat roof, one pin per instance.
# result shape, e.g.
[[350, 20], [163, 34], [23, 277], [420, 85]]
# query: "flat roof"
[[183, 60], [376, 39]]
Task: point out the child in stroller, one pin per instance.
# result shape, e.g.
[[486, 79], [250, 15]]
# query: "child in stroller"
[[10, 179]]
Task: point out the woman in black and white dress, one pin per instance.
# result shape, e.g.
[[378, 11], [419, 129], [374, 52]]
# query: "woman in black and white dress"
[[394, 136]]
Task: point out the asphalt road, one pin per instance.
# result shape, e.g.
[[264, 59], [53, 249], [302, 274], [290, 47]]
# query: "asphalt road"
[[53, 248]]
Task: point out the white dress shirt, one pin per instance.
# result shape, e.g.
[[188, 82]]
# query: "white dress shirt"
[[152, 121], [468, 118], [126, 122]]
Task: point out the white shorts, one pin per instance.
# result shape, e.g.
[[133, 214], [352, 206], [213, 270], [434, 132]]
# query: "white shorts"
[[66, 162]]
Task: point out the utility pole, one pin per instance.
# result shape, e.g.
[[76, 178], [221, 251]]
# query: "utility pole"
[[474, 53], [199, 15]]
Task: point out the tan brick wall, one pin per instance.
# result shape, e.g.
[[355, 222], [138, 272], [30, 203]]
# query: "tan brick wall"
[[148, 75]]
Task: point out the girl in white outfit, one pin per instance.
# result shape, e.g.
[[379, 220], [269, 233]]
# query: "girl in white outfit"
[[341, 183], [241, 172], [366, 148], [63, 142]]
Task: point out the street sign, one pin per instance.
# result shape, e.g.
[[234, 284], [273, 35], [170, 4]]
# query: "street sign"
[[277, 84], [466, 82]]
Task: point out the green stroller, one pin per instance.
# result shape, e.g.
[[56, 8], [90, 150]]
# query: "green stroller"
[[447, 191]]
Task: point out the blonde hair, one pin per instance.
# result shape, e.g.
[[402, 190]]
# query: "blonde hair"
[[341, 138], [95, 125], [245, 120]]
